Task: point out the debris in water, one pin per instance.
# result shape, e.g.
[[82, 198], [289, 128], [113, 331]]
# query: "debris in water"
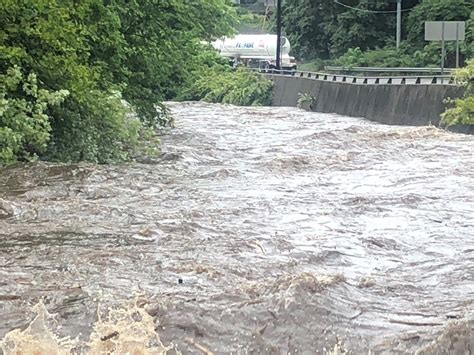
[[143, 238], [110, 336], [287, 287], [198, 346]]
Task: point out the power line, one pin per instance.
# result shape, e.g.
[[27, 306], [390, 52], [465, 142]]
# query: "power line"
[[370, 11]]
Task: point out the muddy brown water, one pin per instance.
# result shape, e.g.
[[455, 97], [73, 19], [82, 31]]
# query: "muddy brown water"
[[258, 230]]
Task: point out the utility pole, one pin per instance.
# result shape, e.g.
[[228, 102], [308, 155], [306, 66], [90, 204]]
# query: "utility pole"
[[399, 22], [278, 48]]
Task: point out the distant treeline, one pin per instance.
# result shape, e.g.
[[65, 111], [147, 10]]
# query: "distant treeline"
[[364, 32]]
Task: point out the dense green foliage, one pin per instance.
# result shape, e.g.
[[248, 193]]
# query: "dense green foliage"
[[323, 30], [463, 111], [102, 53], [251, 22], [24, 125], [239, 87], [212, 79], [390, 56]]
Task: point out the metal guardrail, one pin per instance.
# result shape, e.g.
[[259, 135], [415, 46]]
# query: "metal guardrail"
[[352, 79], [388, 70]]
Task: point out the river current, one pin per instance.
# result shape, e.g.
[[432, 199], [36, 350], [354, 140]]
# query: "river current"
[[258, 230]]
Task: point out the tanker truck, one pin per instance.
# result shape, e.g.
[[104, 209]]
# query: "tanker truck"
[[256, 51]]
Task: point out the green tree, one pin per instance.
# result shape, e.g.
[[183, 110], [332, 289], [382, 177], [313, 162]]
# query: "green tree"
[[435, 10], [162, 40], [54, 39], [24, 125], [105, 53], [309, 25], [463, 111], [363, 28], [440, 10], [324, 28]]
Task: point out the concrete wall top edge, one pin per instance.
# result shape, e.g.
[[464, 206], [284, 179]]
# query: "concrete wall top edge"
[[399, 104]]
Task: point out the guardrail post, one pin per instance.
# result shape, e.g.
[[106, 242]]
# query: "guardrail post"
[[389, 81], [354, 80], [377, 81], [403, 81], [365, 81], [418, 80], [334, 78]]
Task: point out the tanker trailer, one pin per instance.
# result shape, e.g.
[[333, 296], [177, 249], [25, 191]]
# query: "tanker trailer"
[[256, 51]]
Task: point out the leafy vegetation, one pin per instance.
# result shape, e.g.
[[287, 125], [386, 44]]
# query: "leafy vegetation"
[[239, 87], [305, 101], [24, 125], [390, 56], [251, 22], [324, 32], [72, 72], [463, 111]]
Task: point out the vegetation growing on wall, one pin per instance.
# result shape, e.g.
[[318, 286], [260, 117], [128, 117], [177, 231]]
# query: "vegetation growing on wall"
[[463, 111]]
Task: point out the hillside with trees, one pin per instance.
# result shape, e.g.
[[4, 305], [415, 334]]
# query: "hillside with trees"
[[362, 33]]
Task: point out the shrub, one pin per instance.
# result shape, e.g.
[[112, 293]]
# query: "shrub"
[[240, 87], [384, 57], [93, 127], [24, 125], [463, 110]]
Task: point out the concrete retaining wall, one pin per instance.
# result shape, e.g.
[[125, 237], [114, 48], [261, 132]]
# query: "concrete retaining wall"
[[414, 105]]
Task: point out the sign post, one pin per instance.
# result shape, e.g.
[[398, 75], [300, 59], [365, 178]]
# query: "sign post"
[[445, 31], [457, 46], [399, 22], [443, 52], [278, 48]]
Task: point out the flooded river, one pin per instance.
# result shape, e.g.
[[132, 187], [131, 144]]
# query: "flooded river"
[[258, 230]]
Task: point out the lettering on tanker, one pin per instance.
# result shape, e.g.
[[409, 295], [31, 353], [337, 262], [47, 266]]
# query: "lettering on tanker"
[[244, 45]]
